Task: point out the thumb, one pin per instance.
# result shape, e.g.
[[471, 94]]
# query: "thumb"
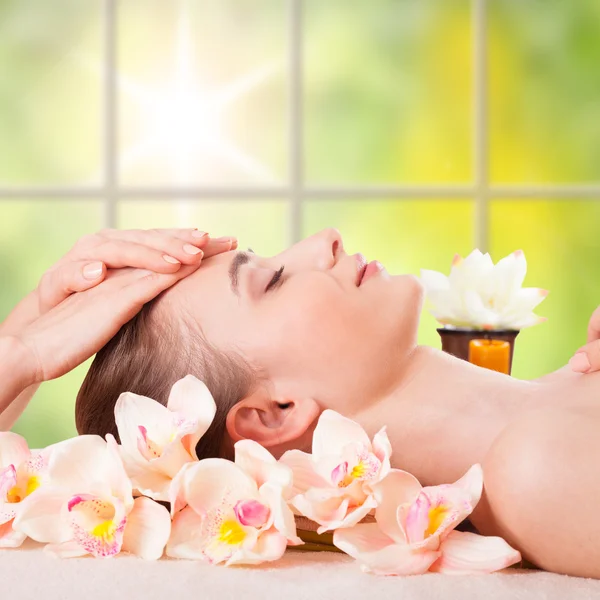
[[74, 276]]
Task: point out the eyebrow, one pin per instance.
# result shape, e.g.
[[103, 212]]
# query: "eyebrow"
[[241, 258]]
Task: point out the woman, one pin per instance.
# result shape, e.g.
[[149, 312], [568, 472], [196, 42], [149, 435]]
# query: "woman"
[[278, 346]]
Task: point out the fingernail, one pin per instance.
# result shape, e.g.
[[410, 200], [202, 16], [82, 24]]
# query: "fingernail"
[[171, 260], [189, 249], [198, 234], [93, 270], [580, 363]]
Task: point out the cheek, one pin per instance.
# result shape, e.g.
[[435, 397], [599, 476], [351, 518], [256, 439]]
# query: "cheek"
[[305, 322]]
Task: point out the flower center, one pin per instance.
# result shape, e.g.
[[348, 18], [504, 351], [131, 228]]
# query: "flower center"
[[18, 492], [14, 495], [436, 518], [148, 448], [105, 530], [231, 532]]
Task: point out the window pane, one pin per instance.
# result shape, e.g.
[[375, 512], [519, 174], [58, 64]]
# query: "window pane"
[[405, 236], [388, 91], [50, 92], [202, 91], [562, 247], [544, 91], [258, 224], [33, 236]]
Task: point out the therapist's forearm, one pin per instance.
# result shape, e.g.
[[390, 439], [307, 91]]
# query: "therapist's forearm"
[[16, 373]]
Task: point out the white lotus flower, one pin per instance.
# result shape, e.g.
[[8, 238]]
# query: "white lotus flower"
[[480, 295]]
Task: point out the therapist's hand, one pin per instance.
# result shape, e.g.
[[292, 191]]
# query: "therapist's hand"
[[587, 358], [76, 328], [85, 265]]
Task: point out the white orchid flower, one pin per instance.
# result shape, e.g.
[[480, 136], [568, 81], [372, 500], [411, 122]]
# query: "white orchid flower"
[[21, 474], [157, 440], [480, 295], [86, 505]]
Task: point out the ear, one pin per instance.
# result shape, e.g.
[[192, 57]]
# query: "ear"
[[275, 423]]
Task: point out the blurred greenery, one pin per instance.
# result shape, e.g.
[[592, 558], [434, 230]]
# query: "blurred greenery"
[[387, 99]]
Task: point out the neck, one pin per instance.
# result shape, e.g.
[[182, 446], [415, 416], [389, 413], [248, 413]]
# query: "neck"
[[442, 414]]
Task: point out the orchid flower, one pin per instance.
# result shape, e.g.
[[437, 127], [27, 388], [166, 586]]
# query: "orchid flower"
[[87, 507], [232, 513], [333, 486], [414, 530], [21, 473], [156, 441], [480, 295]]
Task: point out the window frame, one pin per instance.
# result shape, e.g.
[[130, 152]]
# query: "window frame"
[[480, 191]]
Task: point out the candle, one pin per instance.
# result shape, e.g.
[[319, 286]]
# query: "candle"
[[490, 354]]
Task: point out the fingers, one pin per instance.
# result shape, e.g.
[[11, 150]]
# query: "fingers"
[[140, 286], [121, 253], [120, 248], [76, 276], [587, 358], [593, 332], [219, 245]]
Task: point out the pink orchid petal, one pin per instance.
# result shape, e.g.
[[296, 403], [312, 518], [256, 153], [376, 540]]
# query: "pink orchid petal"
[[192, 400], [270, 546], [13, 449], [144, 446], [449, 506], [326, 512], [251, 513], [177, 496], [8, 479], [281, 514], [133, 411], [97, 525], [185, 540], [212, 482], [333, 432], [398, 489], [120, 484], [472, 483], [466, 553], [351, 518], [152, 484], [260, 464], [69, 549], [339, 473], [382, 448], [173, 457], [39, 517], [417, 519], [147, 529], [377, 553], [304, 472], [80, 463], [9, 538]]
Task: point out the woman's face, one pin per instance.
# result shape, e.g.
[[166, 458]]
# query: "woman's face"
[[315, 332]]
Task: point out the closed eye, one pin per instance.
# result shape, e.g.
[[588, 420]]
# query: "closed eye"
[[276, 278]]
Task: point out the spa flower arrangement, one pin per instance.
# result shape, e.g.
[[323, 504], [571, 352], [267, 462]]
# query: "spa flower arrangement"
[[479, 294], [90, 496]]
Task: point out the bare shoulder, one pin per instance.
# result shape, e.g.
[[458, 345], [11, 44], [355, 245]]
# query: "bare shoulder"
[[541, 483]]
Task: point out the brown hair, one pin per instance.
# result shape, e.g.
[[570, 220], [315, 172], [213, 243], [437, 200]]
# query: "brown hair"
[[146, 357]]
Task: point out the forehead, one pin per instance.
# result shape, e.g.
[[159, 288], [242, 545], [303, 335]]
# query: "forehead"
[[206, 295]]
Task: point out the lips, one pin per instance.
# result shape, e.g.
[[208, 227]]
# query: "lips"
[[371, 269], [361, 265]]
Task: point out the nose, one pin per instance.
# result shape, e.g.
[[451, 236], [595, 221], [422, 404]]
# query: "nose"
[[319, 251]]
